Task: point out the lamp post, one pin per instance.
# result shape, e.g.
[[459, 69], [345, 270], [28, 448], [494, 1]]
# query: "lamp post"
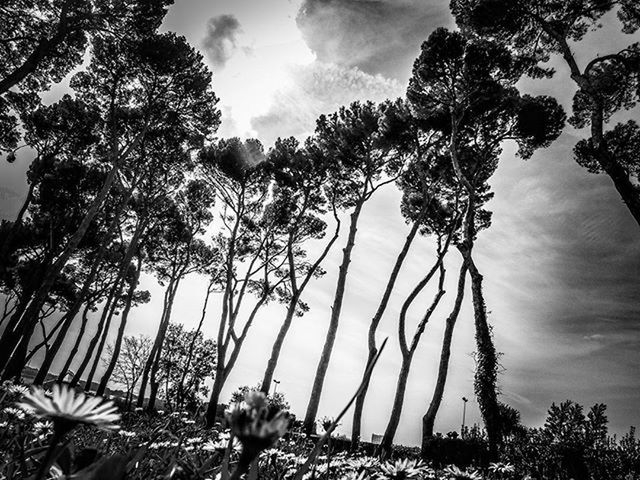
[[275, 388], [464, 413]]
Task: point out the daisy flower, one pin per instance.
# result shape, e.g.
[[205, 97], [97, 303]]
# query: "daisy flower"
[[66, 409]]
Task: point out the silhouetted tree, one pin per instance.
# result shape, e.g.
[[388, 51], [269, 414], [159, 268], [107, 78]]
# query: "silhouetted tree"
[[299, 199], [360, 162], [607, 84], [464, 87], [252, 250]]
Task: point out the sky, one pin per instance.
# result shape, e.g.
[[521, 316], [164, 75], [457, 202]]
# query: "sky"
[[561, 260]]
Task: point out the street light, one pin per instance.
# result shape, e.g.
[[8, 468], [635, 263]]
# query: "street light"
[[275, 389], [464, 412]]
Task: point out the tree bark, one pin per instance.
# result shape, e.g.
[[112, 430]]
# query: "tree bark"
[[323, 364], [429, 418]]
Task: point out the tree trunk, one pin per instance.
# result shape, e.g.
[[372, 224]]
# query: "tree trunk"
[[95, 266], [76, 345], [29, 318], [277, 348], [407, 356], [373, 327], [396, 410], [321, 371], [429, 418], [106, 312], [150, 367], [123, 322], [486, 365]]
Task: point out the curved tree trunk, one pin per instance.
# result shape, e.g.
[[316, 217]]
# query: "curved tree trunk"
[[429, 418], [373, 327], [323, 364], [408, 350]]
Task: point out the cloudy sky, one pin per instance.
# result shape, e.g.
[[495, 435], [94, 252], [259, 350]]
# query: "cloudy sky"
[[561, 260]]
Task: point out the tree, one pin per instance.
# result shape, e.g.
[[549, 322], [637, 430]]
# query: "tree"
[[401, 129], [177, 252], [360, 162], [299, 199], [170, 96], [249, 242], [464, 88], [129, 364], [181, 382], [437, 211], [44, 40], [606, 84]]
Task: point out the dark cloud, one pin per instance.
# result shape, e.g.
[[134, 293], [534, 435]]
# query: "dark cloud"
[[221, 42], [378, 36]]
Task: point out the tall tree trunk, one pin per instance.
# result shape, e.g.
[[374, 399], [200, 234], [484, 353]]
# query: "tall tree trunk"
[[109, 306], [396, 410], [123, 323], [187, 363], [76, 344], [321, 371], [291, 310], [408, 350], [486, 375], [373, 327], [147, 374], [267, 378], [81, 298], [429, 418], [29, 318]]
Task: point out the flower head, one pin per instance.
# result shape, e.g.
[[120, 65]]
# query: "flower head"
[[402, 469], [455, 473], [66, 409], [256, 426]]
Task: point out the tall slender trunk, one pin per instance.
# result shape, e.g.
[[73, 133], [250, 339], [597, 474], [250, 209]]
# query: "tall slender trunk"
[[155, 366], [187, 363], [429, 418], [373, 327], [267, 378], [486, 359], [76, 344], [29, 318], [323, 364], [123, 323], [157, 344], [108, 308], [408, 350], [291, 310], [95, 267], [486, 376]]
